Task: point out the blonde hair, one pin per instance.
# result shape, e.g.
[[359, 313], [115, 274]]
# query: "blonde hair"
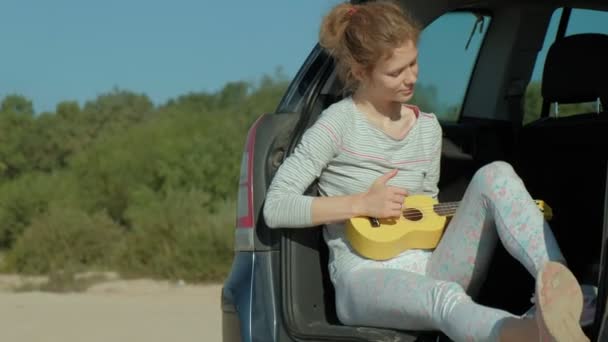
[[361, 35]]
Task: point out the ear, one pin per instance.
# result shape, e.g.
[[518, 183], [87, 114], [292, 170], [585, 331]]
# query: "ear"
[[360, 73]]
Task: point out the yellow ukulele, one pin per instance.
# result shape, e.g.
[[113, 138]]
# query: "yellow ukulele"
[[421, 226]]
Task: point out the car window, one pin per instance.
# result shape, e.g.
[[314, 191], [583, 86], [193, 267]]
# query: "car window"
[[447, 53], [581, 21], [293, 100]]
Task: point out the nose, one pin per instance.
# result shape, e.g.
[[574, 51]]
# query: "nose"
[[410, 76]]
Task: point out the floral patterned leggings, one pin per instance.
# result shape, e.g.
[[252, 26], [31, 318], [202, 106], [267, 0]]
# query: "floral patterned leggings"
[[426, 290]]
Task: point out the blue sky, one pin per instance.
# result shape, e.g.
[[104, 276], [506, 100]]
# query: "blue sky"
[[77, 49]]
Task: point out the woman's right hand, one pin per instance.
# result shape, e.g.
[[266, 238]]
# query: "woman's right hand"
[[383, 201]]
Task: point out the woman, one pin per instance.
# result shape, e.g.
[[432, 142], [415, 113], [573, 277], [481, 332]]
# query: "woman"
[[369, 151]]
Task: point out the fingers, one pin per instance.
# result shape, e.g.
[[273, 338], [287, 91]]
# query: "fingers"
[[387, 176], [398, 191], [397, 199], [396, 212], [396, 207]]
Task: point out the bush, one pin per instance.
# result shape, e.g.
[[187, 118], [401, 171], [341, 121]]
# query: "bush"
[[125, 185], [176, 237], [28, 197], [65, 240]]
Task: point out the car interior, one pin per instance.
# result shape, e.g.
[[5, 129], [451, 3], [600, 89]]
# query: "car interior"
[[562, 160]]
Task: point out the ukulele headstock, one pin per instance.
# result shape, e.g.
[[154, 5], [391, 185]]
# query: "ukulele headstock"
[[545, 209]]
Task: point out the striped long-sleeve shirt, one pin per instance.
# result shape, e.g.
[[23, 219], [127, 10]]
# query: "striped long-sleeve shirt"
[[346, 153]]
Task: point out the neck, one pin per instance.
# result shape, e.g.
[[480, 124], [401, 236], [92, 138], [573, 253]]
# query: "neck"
[[375, 107]]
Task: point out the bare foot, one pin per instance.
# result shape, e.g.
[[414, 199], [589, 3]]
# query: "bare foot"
[[560, 303]]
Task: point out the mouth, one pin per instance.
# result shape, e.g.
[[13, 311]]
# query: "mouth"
[[407, 91]]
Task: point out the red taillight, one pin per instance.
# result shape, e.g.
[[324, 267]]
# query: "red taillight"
[[245, 219]]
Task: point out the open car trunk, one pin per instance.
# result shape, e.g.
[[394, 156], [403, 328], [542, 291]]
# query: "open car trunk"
[[562, 161], [554, 170]]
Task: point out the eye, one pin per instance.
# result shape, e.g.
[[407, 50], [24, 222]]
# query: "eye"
[[395, 73]]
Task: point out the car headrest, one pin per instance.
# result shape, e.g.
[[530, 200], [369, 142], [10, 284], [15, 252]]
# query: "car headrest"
[[576, 69]]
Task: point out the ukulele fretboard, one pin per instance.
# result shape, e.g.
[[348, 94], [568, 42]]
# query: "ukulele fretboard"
[[446, 208]]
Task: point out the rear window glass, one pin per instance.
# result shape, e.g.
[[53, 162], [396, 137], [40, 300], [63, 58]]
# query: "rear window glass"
[[447, 53], [581, 21]]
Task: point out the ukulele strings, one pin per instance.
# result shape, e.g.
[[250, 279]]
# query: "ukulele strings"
[[445, 206], [441, 206]]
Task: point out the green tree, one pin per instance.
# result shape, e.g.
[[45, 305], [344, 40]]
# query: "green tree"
[[152, 188], [115, 111], [16, 120], [17, 104]]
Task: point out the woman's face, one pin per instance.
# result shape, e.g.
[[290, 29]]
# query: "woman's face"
[[392, 79]]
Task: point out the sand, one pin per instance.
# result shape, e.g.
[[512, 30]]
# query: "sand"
[[116, 310]]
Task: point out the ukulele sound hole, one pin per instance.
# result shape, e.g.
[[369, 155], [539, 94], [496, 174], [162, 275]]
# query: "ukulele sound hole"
[[412, 214]]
